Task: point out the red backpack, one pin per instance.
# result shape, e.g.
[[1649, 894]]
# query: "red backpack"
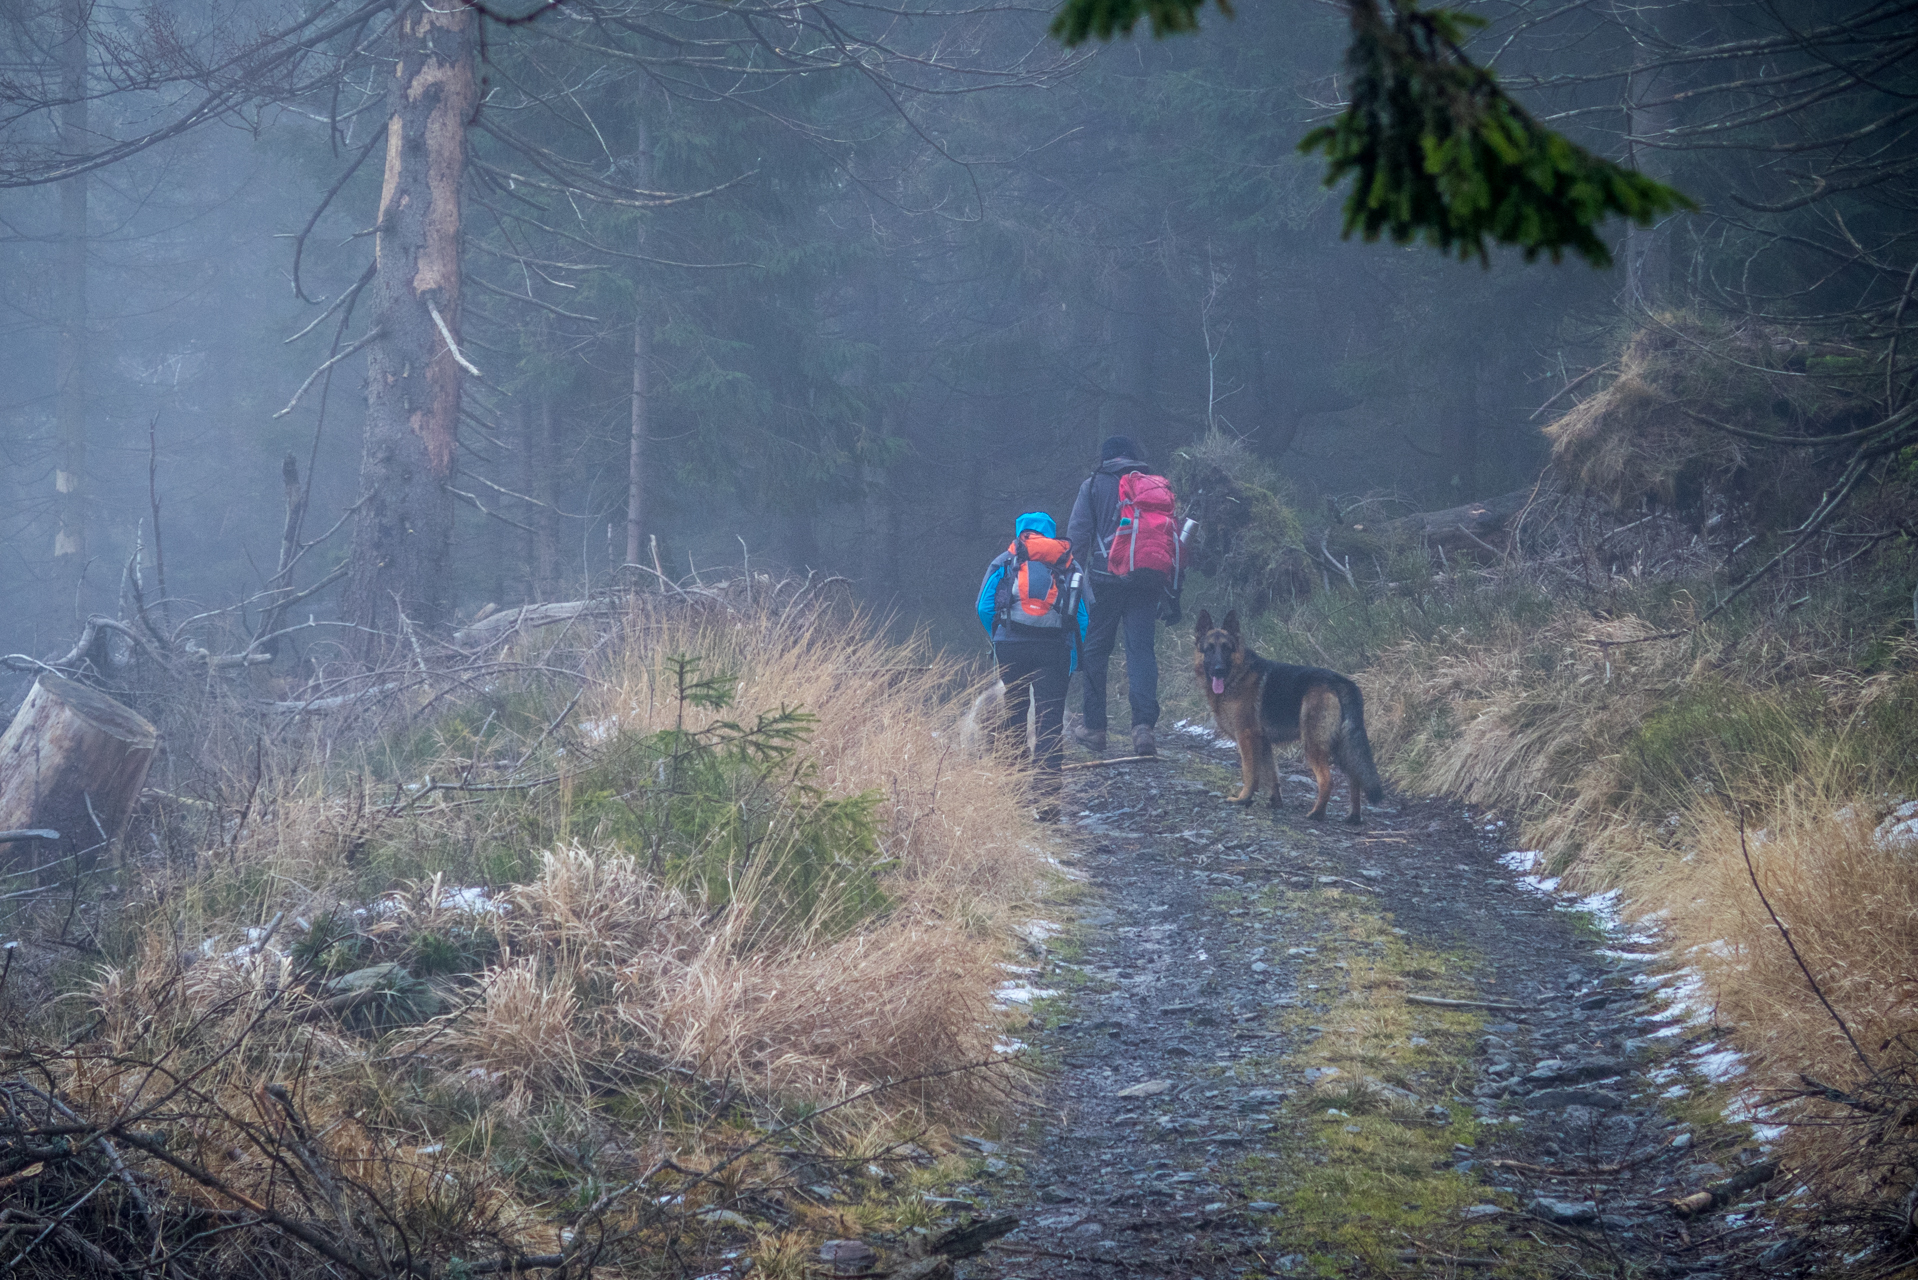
[[1148, 535]]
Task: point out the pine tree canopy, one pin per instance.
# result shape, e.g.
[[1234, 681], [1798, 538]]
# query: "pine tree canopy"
[[1436, 149]]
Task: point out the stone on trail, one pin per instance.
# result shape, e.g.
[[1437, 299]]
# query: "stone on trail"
[[1553, 1099], [851, 1255], [1146, 1089], [1566, 1213], [1480, 1211], [1557, 1071]]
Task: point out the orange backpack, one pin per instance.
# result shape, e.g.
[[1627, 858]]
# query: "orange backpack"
[[1038, 589]]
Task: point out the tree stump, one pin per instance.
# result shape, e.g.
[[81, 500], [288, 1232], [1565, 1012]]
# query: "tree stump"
[[73, 760]]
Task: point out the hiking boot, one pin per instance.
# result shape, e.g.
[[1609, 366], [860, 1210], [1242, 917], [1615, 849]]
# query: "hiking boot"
[[1093, 740], [1142, 744]]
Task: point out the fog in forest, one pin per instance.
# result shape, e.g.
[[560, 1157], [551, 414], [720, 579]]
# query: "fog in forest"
[[825, 288], [501, 771]]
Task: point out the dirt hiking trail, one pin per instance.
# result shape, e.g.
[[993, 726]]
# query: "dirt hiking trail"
[[1250, 1067]]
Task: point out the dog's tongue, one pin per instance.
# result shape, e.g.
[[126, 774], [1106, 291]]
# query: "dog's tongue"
[[1218, 684]]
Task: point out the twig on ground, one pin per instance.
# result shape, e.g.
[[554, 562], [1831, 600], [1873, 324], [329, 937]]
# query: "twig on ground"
[[1443, 1003], [1100, 764], [1596, 1171]]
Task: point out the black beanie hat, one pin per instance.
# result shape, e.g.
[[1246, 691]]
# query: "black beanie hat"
[[1120, 447]]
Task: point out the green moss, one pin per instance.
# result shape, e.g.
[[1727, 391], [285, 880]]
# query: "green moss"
[[1364, 1182]]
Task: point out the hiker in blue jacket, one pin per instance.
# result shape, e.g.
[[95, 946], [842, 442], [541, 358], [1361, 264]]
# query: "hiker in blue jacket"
[[1032, 604]]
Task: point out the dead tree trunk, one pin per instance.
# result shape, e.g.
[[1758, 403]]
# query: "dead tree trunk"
[[71, 478], [403, 540], [545, 488], [642, 357], [73, 760]]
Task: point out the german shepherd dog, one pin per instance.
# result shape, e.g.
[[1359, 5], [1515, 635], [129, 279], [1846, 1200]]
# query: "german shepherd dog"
[[1260, 702]]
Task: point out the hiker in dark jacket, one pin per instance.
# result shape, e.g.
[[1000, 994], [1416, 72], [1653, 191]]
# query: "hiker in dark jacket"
[[1035, 648], [1130, 604]]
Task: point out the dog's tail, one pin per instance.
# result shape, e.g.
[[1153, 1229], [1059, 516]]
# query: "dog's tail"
[[1355, 749]]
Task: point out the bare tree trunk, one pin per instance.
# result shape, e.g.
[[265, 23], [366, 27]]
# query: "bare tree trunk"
[[1648, 250], [972, 448], [546, 558], [403, 540], [1458, 423], [1256, 417], [528, 445], [636, 449], [642, 356], [70, 478], [1134, 410]]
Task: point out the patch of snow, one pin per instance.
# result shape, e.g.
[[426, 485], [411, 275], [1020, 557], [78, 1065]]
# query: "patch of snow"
[[1721, 1065], [1898, 833], [1009, 1046], [1015, 993], [471, 899], [1199, 729], [1604, 909], [1746, 1110], [1523, 861]]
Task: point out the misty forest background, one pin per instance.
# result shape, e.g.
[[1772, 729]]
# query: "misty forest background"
[[327, 326], [886, 286]]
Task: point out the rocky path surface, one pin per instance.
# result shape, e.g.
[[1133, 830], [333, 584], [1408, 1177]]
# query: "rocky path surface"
[[1183, 1130]]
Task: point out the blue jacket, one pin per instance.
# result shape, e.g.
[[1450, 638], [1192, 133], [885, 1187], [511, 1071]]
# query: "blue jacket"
[[1040, 523]]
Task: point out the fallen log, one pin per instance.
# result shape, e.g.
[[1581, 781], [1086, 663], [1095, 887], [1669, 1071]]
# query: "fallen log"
[[969, 1238], [73, 761], [1462, 528], [495, 627], [1720, 1193]]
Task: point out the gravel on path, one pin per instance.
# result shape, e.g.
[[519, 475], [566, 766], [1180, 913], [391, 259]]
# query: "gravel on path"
[[1184, 1001]]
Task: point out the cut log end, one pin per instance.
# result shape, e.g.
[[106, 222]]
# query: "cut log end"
[[72, 760], [100, 712]]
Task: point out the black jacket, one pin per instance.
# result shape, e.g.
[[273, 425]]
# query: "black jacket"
[[1095, 513]]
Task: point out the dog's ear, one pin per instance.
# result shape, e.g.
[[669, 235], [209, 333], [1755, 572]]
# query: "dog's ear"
[[1205, 623], [1231, 623]]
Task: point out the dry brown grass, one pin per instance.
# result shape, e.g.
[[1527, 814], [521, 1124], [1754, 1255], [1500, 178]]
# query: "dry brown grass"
[[1531, 721], [598, 1014], [1630, 765], [886, 722], [609, 976], [1849, 900]]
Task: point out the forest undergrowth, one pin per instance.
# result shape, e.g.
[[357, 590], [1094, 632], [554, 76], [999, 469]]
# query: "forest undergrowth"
[[1747, 777], [669, 939]]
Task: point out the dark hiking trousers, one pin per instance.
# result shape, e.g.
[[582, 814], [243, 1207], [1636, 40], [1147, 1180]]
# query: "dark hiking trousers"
[[1037, 670], [1132, 605]]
